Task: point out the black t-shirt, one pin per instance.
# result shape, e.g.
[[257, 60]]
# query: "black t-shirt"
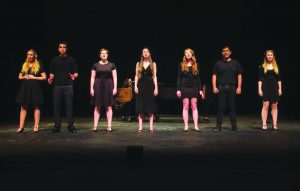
[[62, 67], [227, 72]]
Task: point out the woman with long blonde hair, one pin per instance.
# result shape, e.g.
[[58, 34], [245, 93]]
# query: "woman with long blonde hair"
[[269, 88], [145, 88], [189, 86], [30, 92]]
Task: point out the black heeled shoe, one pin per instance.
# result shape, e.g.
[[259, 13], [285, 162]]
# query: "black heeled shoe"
[[94, 130], [151, 130], [264, 127], [109, 130], [36, 130], [197, 129], [20, 130]]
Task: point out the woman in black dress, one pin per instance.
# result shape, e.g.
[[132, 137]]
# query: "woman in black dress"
[[103, 87], [189, 86], [145, 88], [269, 88], [30, 93]]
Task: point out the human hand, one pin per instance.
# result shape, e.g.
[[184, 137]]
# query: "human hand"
[[178, 93], [114, 91], [50, 80], [238, 91], [155, 92], [72, 76], [136, 90], [216, 90], [202, 94]]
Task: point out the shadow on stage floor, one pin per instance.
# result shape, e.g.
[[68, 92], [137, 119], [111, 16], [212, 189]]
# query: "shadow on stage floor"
[[169, 159]]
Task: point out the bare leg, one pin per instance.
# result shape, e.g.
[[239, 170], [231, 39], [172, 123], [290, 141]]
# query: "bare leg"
[[195, 112], [23, 113], [185, 113], [141, 117], [37, 114], [96, 118], [274, 115], [109, 114], [151, 116], [264, 114]]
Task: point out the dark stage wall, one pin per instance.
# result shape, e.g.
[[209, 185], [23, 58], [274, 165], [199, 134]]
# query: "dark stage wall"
[[166, 27]]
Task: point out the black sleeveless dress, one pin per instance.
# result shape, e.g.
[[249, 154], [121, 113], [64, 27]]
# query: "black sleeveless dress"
[[30, 92], [145, 99]]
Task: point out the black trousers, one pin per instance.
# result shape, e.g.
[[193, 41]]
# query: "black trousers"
[[226, 97], [65, 92]]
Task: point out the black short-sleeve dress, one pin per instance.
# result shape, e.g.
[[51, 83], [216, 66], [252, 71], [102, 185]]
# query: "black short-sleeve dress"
[[269, 85], [30, 92], [103, 85]]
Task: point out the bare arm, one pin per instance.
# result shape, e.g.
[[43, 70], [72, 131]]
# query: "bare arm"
[[114, 75], [279, 88], [260, 92], [93, 74], [214, 83], [239, 87], [22, 76], [42, 77], [136, 79], [155, 79]]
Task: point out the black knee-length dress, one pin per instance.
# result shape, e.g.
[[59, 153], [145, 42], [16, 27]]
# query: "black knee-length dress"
[[103, 85], [145, 99], [269, 85], [30, 92], [187, 83]]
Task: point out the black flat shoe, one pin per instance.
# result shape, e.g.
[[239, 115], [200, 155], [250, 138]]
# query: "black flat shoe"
[[217, 129], [185, 130], [55, 130], [197, 130], [72, 129]]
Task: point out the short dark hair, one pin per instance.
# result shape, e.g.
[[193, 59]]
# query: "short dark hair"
[[63, 42], [225, 46]]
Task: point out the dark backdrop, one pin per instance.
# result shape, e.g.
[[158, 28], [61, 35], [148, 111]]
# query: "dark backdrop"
[[166, 27]]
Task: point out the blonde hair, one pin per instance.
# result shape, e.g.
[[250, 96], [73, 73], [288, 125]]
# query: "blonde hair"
[[184, 63], [103, 49], [35, 65], [274, 63], [140, 63]]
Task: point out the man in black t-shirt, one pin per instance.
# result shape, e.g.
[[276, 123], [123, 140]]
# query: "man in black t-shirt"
[[227, 83], [63, 71]]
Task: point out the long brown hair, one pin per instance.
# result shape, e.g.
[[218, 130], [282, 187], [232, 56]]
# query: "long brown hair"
[[184, 63], [274, 63], [35, 66], [140, 63]]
